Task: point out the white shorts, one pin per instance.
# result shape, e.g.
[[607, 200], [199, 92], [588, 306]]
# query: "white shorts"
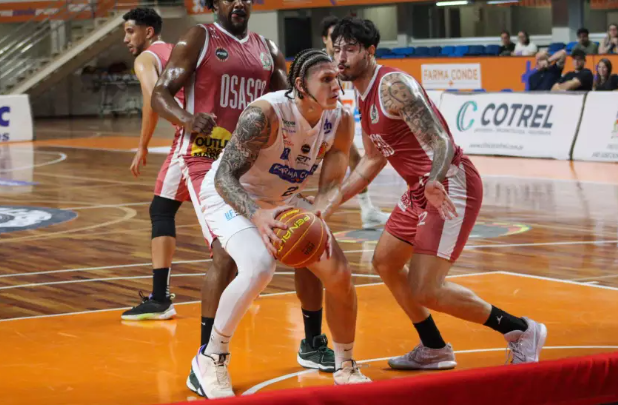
[[223, 221]]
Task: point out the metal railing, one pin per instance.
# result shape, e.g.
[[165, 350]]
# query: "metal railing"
[[44, 37]]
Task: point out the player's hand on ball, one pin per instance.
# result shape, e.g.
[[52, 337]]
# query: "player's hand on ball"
[[202, 123], [437, 196], [140, 158], [265, 222], [328, 252]]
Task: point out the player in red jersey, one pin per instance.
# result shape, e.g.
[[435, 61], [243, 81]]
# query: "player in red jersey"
[[223, 68], [434, 218], [143, 38]]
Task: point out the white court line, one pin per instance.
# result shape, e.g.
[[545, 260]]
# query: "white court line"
[[60, 159], [275, 380], [604, 287], [89, 280], [91, 207], [196, 302], [590, 242], [496, 246], [506, 176]]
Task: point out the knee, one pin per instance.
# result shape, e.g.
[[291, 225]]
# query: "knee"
[[340, 280], [381, 264], [162, 216], [261, 270], [427, 296], [224, 266]]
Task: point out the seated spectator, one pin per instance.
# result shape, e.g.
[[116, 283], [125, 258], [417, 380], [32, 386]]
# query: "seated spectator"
[[605, 80], [507, 47], [610, 42], [584, 43], [548, 71], [580, 79], [524, 47]]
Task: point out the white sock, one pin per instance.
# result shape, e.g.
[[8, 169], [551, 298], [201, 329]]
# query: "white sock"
[[365, 202], [218, 343], [343, 352]]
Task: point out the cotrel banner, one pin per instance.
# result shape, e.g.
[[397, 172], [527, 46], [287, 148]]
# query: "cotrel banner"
[[598, 132], [15, 119], [514, 124]]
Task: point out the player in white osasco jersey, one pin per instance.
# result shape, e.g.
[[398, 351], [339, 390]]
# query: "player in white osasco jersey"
[[273, 153]]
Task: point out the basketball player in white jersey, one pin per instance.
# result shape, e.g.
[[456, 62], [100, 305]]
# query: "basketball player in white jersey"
[[371, 216], [279, 143]]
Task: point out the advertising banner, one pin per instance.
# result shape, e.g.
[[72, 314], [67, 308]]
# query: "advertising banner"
[[15, 119], [457, 76], [598, 132], [514, 124]]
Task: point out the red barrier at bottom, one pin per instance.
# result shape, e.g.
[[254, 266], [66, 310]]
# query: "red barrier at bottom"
[[572, 381]]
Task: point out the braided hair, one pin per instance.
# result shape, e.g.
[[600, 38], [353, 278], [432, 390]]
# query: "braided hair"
[[301, 64]]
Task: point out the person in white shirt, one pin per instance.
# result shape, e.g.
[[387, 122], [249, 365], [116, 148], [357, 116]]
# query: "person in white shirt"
[[524, 47]]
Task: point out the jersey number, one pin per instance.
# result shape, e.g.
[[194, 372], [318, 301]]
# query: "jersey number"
[[289, 191]]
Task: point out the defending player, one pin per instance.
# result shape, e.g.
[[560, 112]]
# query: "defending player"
[[225, 67], [278, 144], [371, 216], [435, 216], [142, 29]]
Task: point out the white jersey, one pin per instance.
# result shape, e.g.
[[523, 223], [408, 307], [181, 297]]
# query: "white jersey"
[[281, 171]]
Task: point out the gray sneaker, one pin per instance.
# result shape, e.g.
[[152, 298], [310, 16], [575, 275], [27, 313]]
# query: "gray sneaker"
[[424, 358], [525, 347]]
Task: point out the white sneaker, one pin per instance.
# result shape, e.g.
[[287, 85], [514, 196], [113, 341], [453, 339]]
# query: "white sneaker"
[[209, 376], [349, 374], [525, 347], [373, 217], [424, 358]]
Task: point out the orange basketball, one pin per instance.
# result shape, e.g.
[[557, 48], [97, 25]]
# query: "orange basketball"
[[304, 241]]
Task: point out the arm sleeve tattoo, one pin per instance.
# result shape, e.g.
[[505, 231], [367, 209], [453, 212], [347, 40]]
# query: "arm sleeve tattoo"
[[252, 134], [402, 96]]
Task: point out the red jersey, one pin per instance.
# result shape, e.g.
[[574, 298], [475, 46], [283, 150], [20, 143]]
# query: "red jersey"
[[230, 74], [162, 51], [390, 134]]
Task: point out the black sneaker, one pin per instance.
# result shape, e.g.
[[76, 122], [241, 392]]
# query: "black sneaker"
[[317, 355], [151, 309]]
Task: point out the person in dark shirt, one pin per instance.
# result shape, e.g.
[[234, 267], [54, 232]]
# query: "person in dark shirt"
[[507, 47], [605, 80], [548, 71], [580, 79]]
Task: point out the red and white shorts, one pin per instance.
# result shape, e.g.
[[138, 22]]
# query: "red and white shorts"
[[170, 183], [418, 223]]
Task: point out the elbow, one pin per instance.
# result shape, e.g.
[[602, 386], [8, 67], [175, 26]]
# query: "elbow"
[[155, 100]]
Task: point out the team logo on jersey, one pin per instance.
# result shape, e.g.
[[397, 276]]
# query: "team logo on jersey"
[[290, 174], [267, 62], [286, 154], [322, 150], [305, 148], [210, 146], [375, 117], [303, 160], [222, 54], [384, 148], [286, 140], [328, 127]]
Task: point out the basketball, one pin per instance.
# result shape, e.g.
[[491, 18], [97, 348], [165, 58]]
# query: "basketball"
[[305, 239]]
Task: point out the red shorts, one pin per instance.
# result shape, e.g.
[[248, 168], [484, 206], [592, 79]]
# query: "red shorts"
[[170, 183], [418, 223]]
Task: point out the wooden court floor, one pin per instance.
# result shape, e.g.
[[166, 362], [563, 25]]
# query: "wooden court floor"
[[74, 252]]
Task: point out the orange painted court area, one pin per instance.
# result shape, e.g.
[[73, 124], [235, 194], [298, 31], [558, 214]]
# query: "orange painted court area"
[[544, 247]]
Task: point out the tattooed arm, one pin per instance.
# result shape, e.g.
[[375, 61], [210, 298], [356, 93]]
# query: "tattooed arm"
[[401, 95], [254, 131]]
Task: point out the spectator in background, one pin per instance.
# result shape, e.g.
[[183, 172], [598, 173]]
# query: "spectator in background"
[[605, 80], [328, 25], [524, 47], [548, 71], [507, 47], [580, 79], [610, 42], [584, 42]]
